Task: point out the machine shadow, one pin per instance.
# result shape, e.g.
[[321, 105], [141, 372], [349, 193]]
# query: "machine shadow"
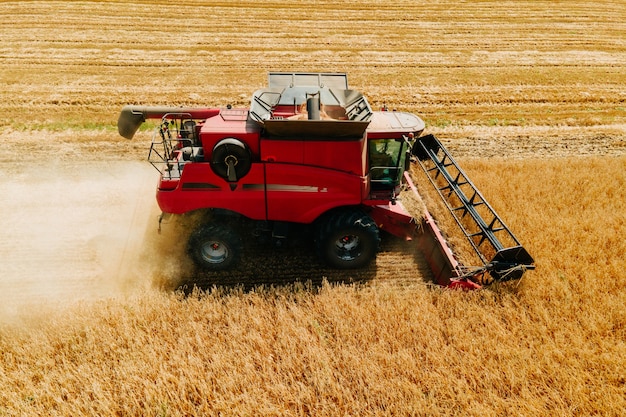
[[164, 258], [295, 264], [267, 266]]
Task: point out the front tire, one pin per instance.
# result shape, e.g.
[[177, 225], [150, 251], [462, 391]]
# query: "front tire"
[[348, 240], [214, 247]]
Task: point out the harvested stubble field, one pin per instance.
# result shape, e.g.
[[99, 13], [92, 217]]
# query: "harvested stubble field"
[[528, 95]]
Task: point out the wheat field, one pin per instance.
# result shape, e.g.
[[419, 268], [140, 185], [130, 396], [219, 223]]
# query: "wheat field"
[[528, 95]]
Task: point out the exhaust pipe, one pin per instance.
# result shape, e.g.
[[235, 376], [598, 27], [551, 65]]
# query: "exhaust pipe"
[[313, 107], [131, 117]]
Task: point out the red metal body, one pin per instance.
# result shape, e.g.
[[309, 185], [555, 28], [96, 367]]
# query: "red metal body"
[[290, 179], [305, 147]]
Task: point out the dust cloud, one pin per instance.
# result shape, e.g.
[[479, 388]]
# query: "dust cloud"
[[73, 231]]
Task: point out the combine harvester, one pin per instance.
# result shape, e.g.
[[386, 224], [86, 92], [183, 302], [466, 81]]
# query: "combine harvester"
[[310, 151]]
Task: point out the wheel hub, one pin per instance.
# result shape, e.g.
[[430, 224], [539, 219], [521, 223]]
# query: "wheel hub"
[[348, 247], [214, 252]]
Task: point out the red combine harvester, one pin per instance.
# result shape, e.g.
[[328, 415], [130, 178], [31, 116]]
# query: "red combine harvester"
[[311, 151]]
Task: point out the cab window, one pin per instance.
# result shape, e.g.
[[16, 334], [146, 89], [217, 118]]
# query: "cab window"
[[386, 161]]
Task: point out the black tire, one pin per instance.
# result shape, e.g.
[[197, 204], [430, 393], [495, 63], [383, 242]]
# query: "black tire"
[[214, 247], [348, 239]]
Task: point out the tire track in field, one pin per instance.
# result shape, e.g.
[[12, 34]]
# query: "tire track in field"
[[523, 62]]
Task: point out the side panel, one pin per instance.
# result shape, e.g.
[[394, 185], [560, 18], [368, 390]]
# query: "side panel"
[[200, 188], [301, 194], [349, 156], [282, 151]]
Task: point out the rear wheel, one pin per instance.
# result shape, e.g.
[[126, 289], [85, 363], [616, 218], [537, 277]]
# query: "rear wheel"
[[214, 247], [348, 240]]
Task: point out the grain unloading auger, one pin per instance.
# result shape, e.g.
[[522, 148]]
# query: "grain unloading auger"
[[311, 153]]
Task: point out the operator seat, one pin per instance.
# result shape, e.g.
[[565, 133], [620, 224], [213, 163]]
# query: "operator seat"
[[188, 133]]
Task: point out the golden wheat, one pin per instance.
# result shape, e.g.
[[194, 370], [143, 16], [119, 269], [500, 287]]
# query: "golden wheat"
[[551, 344]]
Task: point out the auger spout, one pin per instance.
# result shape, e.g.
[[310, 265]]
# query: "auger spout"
[[131, 117]]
